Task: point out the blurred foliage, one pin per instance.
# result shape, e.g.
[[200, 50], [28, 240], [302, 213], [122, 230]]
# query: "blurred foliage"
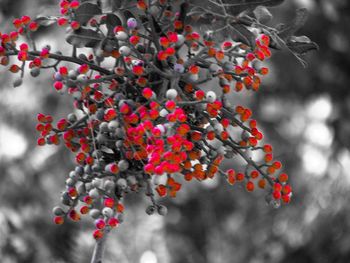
[[305, 115]]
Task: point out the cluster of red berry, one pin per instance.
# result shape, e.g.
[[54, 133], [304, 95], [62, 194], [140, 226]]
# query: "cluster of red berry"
[[146, 123]]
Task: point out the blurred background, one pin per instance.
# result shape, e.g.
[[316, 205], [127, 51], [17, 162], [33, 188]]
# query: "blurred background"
[[304, 113]]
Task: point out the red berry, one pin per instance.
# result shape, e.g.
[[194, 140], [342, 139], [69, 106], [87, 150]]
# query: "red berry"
[[286, 199], [62, 21], [147, 93], [33, 26], [59, 220], [74, 4], [109, 202], [276, 195], [113, 222], [75, 25], [98, 234], [58, 85], [25, 20], [41, 141], [84, 210], [100, 224]]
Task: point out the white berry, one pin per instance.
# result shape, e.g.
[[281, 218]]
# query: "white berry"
[[121, 35], [211, 96], [171, 94], [125, 51]]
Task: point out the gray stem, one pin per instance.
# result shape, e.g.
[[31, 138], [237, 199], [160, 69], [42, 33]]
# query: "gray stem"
[[99, 249]]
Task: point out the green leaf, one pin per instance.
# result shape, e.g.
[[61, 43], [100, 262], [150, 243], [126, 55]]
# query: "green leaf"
[[236, 7], [242, 34], [302, 48], [299, 21], [84, 38], [86, 11], [45, 20]]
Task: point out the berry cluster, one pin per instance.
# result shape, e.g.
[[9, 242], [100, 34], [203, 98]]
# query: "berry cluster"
[[146, 123]]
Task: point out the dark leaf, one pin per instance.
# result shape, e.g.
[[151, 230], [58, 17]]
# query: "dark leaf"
[[236, 7], [301, 47], [299, 21], [183, 11], [157, 27], [144, 20], [214, 6], [45, 20], [196, 11], [300, 39], [106, 150], [111, 22], [86, 11], [218, 32], [280, 27], [242, 34], [262, 14], [128, 14], [84, 38], [116, 4], [276, 42]]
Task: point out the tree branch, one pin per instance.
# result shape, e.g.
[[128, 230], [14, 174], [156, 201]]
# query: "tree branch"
[[65, 58]]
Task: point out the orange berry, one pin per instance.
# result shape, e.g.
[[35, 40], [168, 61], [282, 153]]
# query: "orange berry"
[[220, 55], [268, 157], [264, 71], [262, 183], [254, 174], [283, 177]]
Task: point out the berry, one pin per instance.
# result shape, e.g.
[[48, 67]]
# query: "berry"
[[171, 94], [179, 68], [59, 220], [62, 21], [58, 211], [98, 234], [121, 36], [276, 195], [18, 82], [100, 224], [75, 25], [147, 93], [250, 186], [145, 120], [150, 210], [131, 23], [113, 222], [162, 210], [211, 96], [124, 51]]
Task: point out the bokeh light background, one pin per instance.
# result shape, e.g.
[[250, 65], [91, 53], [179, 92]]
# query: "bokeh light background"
[[304, 113]]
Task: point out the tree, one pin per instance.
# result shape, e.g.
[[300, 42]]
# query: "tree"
[[144, 121]]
